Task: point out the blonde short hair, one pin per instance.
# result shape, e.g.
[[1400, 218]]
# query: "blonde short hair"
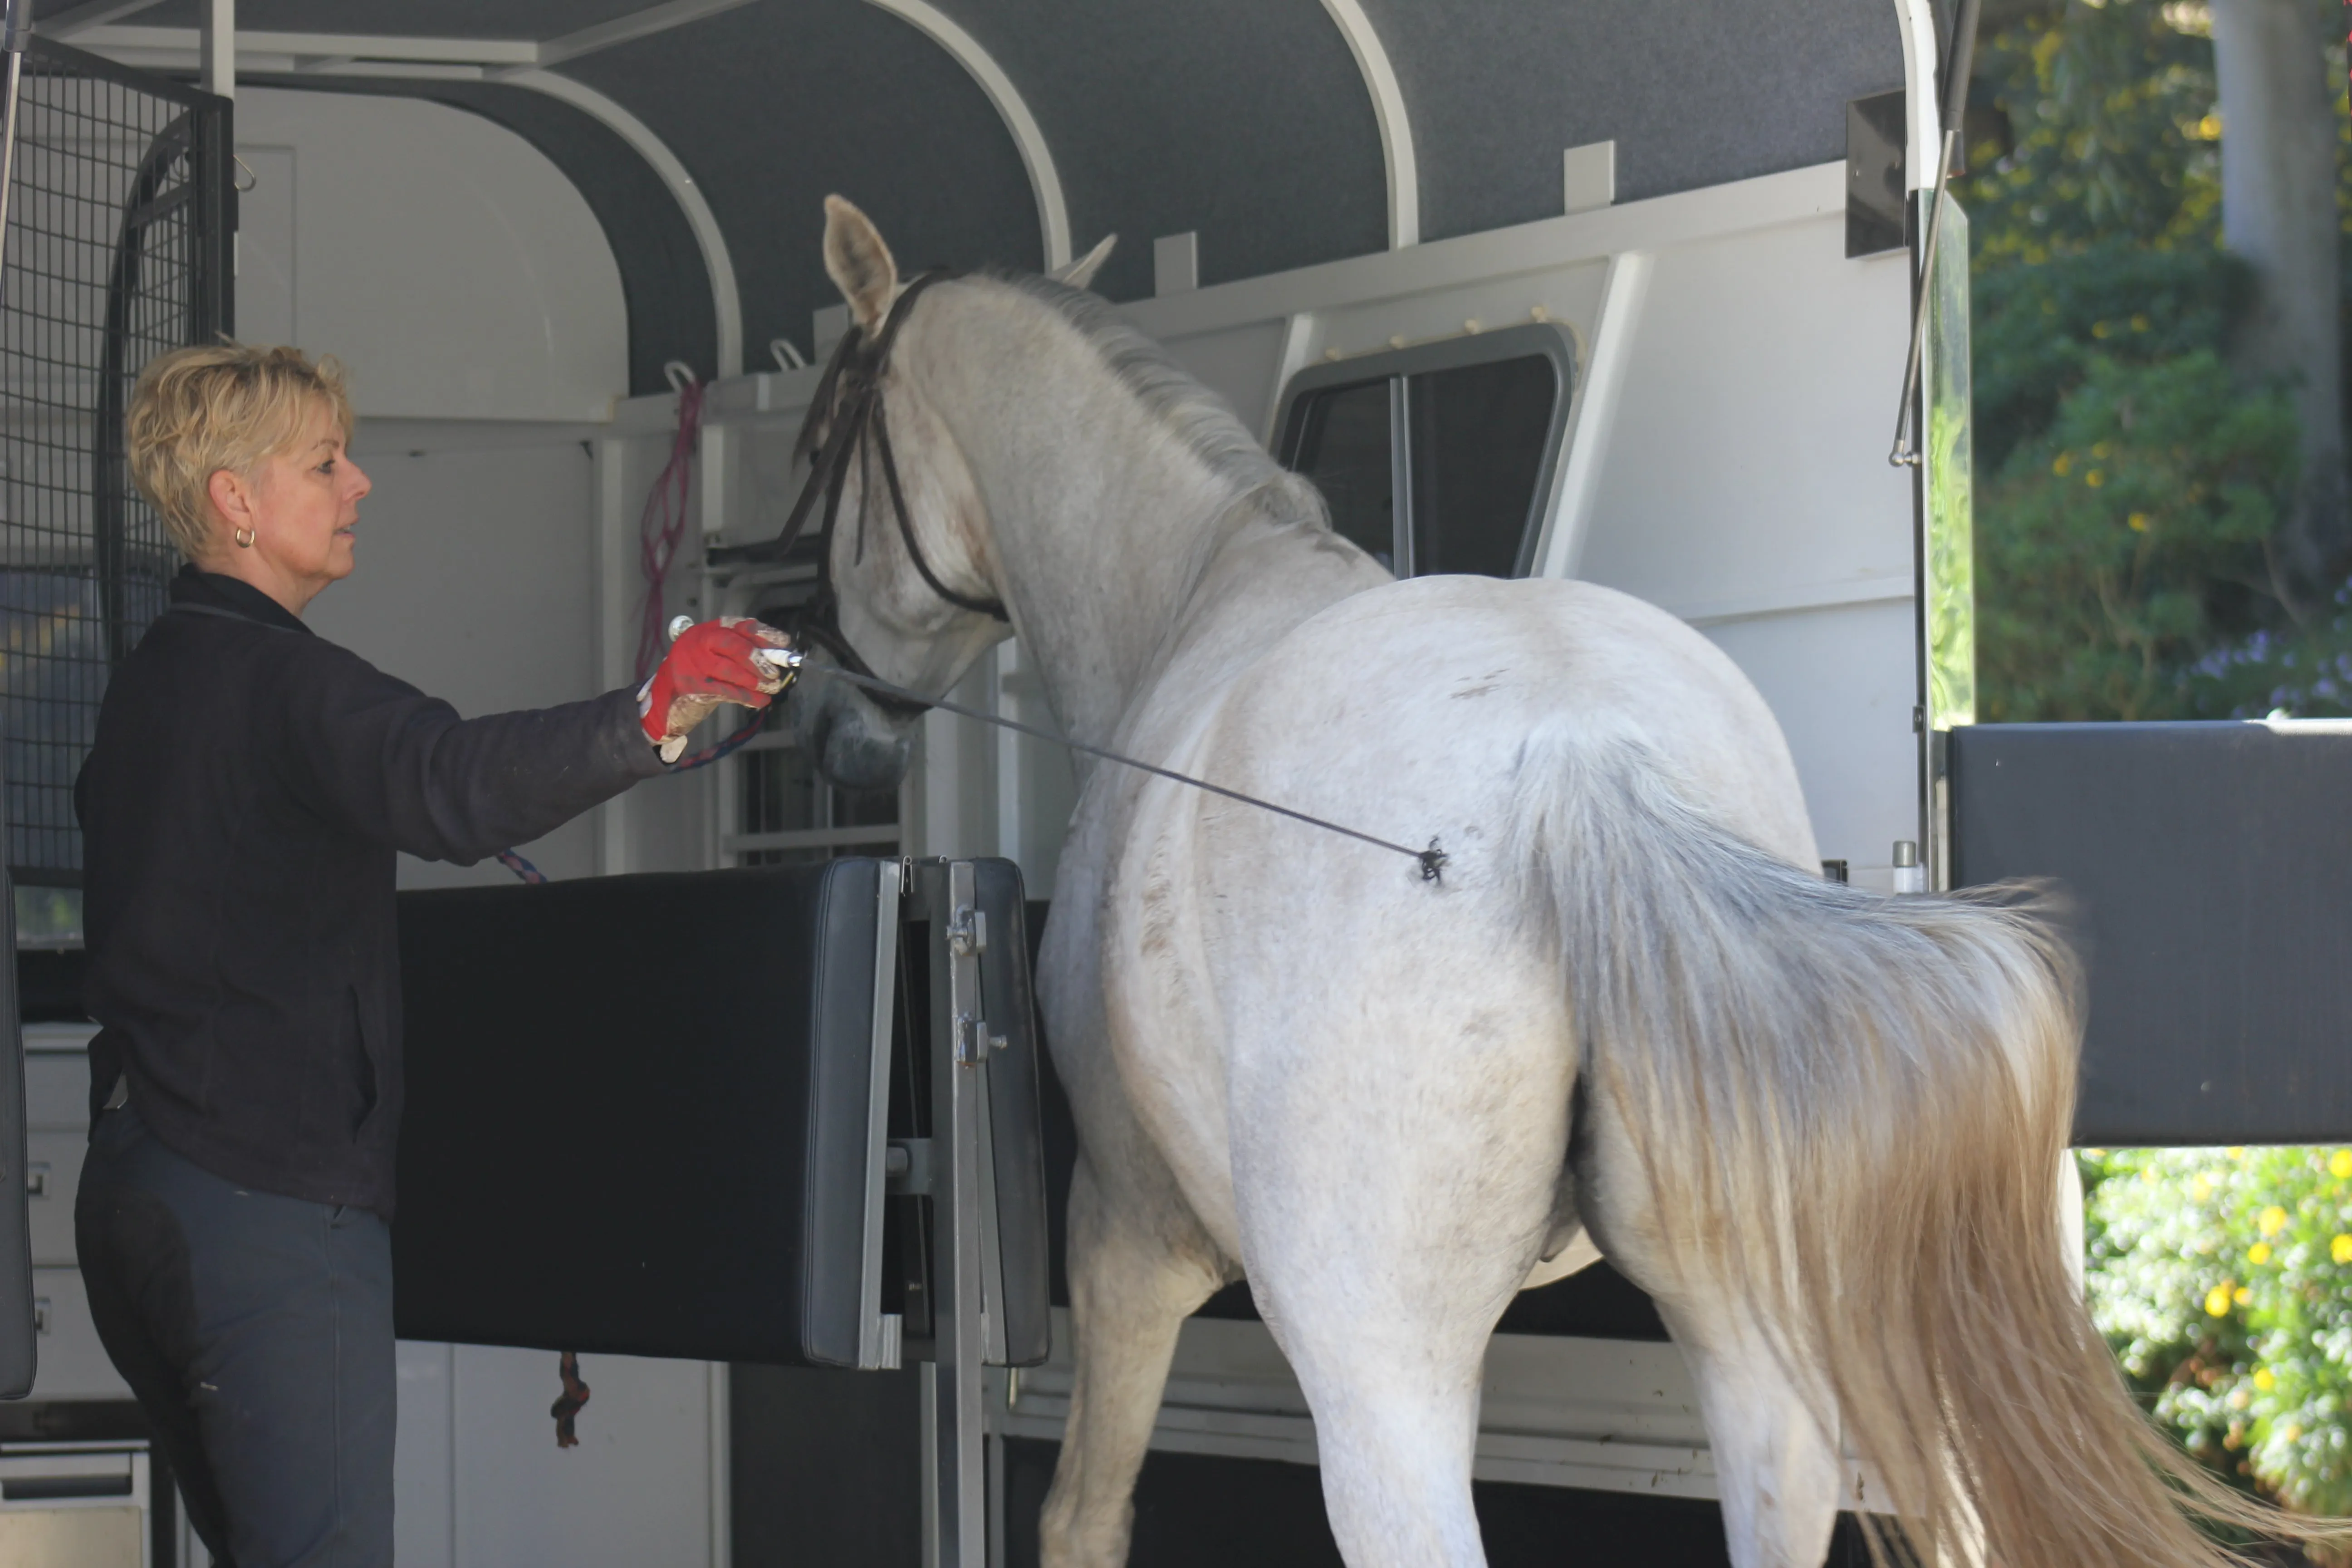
[[199, 410]]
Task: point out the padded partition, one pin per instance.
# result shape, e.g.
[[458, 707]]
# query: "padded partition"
[[2211, 865], [1016, 1136], [637, 1113]]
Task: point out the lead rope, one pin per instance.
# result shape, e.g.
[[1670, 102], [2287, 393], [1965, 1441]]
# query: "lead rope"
[[1432, 860]]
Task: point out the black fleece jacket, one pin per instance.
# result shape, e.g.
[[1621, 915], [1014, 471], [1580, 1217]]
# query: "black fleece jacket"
[[240, 811]]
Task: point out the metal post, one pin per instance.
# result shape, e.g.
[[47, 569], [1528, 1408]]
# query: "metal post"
[[956, 1462], [16, 31], [216, 47]]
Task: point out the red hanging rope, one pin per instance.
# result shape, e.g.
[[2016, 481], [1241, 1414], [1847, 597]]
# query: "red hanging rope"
[[662, 527]]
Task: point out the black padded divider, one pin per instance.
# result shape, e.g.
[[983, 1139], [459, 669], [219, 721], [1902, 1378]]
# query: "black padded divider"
[[1016, 1132], [2211, 865], [18, 1342], [636, 1114]]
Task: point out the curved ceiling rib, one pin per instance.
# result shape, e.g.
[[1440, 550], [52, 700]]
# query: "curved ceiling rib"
[[727, 303], [1036, 157], [1389, 110], [1922, 73]]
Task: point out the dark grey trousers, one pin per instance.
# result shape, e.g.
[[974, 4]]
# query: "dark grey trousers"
[[256, 1331]]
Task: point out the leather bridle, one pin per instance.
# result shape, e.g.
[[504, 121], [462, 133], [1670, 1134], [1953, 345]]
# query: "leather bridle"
[[851, 393]]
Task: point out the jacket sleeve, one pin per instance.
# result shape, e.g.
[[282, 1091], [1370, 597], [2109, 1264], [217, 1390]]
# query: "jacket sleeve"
[[402, 768]]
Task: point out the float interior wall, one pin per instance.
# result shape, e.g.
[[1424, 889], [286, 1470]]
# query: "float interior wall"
[[477, 304]]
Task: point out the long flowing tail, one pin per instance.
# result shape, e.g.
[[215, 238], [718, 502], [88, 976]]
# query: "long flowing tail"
[[1850, 1110]]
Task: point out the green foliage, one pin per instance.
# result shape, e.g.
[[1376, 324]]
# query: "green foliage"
[[2223, 1280], [2130, 536], [2127, 484], [2112, 111]]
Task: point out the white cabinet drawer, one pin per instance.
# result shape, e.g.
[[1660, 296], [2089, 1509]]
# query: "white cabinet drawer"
[[52, 1177], [73, 1365], [56, 1082]]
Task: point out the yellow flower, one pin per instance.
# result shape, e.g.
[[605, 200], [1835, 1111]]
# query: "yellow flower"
[[2095, 478], [2264, 1381], [2064, 465], [2216, 1301], [2209, 128], [2100, 328], [2138, 521], [2259, 1253], [2100, 448], [2339, 1164], [2199, 1190], [2140, 323], [2293, 1432], [2272, 1220], [2340, 1249], [2242, 1296]]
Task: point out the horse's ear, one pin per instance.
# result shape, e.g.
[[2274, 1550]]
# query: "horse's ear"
[[858, 262], [1079, 274]]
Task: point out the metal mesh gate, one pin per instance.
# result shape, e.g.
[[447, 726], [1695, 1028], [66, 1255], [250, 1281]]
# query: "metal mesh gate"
[[118, 248]]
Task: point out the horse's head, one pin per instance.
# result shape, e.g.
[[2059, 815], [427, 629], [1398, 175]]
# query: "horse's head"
[[913, 569]]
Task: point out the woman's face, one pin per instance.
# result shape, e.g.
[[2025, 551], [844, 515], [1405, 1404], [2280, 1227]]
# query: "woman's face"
[[302, 505], [307, 504]]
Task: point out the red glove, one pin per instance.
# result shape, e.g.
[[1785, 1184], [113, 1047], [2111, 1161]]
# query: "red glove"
[[711, 662]]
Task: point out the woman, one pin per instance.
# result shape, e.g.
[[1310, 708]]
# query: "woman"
[[241, 809]]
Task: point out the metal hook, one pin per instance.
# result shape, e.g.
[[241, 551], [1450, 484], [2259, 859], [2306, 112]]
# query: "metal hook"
[[679, 374], [786, 353], [250, 180]]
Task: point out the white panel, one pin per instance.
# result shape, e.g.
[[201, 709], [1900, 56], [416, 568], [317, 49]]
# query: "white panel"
[[474, 585], [447, 261], [1841, 682], [1749, 452], [1239, 363], [424, 1467], [266, 232], [635, 1491], [73, 1365]]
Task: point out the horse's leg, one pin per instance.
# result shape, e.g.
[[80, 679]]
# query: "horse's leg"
[[1777, 1471], [1395, 1188], [1137, 1272]]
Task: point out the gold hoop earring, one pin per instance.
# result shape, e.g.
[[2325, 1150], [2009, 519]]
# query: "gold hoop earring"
[[243, 537]]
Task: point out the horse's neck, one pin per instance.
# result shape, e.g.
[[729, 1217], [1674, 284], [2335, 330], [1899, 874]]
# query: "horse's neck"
[[1120, 548]]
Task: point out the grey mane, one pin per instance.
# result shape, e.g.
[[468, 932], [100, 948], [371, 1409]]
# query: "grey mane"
[[1204, 421]]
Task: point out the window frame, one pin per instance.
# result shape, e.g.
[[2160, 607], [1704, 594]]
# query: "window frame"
[[1553, 340]]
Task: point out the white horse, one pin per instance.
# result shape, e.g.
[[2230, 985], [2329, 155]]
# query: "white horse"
[[1817, 1125]]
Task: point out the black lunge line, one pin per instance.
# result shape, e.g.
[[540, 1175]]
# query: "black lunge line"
[[1432, 859]]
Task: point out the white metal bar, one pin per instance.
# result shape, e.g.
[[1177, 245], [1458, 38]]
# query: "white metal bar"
[[629, 27], [315, 46], [727, 300], [1389, 110], [216, 47], [1923, 90], [1601, 389], [1028, 140], [91, 13]]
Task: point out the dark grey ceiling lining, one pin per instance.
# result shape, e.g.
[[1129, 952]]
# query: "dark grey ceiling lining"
[[1244, 121], [1695, 93], [771, 107], [664, 282]]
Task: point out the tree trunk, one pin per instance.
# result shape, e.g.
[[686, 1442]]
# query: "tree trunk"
[[2278, 212]]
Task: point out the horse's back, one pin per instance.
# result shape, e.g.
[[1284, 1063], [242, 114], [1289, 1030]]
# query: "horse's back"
[[1414, 702]]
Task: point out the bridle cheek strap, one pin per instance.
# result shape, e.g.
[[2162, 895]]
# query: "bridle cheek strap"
[[852, 390]]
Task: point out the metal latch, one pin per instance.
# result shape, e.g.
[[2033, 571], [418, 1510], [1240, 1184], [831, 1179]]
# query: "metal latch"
[[967, 932]]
